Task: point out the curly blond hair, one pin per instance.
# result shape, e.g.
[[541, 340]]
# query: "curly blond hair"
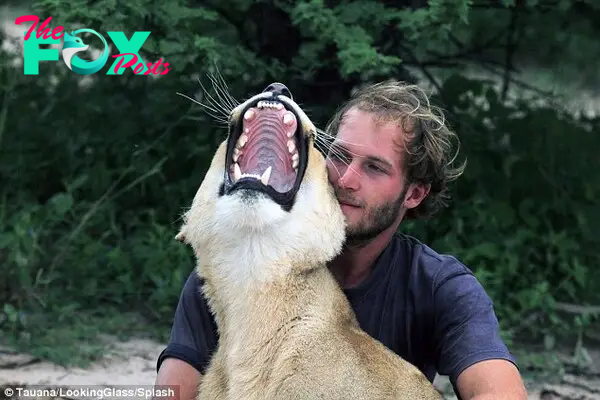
[[427, 141]]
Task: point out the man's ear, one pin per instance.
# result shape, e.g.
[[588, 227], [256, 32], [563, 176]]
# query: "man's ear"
[[415, 194]]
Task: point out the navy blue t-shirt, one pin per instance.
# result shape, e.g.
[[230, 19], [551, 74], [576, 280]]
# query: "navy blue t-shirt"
[[426, 307]]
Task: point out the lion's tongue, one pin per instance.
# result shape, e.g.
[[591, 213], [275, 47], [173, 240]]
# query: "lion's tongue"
[[267, 145]]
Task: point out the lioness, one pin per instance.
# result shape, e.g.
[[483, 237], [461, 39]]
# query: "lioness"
[[263, 225]]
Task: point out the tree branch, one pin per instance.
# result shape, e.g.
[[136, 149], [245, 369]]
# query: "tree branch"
[[511, 47], [486, 65], [578, 309], [465, 52], [422, 67]]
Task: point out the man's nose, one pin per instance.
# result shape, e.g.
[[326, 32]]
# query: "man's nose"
[[278, 89], [349, 177]]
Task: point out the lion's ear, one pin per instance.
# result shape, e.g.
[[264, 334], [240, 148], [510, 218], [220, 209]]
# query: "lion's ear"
[[180, 236]]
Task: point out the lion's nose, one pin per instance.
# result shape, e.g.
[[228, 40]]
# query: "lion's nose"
[[278, 89]]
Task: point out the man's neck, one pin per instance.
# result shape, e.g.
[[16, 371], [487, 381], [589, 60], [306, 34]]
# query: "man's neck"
[[356, 261]]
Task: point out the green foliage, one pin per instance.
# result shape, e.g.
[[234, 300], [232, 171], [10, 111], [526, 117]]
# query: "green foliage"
[[96, 172]]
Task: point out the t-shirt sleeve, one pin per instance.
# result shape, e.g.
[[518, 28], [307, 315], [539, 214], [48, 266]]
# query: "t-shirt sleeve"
[[466, 326], [194, 335]]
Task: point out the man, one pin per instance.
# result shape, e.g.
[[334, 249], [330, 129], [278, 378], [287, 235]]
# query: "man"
[[391, 159]]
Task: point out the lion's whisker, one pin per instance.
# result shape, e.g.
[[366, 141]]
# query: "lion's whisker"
[[216, 114], [333, 149], [221, 93], [225, 90], [328, 136], [218, 119], [326, 150], [215, 103], [199, 103], [226, 87], [338, 150]]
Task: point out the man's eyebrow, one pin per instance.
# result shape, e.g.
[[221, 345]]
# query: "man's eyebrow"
[[379, 160], [343, 149]]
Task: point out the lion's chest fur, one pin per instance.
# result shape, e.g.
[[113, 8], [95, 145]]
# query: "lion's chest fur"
[[269, 331]]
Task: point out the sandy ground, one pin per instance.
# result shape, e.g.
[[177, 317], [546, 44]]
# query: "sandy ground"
[[133, 363], [129, 363]]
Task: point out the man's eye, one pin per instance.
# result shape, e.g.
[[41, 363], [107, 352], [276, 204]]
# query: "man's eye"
[[375, 168]]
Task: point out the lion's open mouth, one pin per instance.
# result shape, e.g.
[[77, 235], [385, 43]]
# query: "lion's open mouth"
[[266, 149], [269, 154]]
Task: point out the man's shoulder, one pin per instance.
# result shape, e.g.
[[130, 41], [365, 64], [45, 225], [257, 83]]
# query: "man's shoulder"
[[424, 261]]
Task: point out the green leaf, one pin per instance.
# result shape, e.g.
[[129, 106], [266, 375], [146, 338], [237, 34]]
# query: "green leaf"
[[61, 202]]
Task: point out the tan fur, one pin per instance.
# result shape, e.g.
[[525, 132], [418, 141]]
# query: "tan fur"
[[286, 331]]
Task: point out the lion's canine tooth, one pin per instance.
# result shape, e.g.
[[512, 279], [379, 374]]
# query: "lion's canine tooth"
[[237, 172], [265, 176]]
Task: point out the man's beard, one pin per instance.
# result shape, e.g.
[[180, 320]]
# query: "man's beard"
[[376, 220]]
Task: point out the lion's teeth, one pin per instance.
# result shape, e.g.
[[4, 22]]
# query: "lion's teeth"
[[269, 104], [290, 134], [265, 176], [248, 115], [237, 172], [291, 146], [236, 154], [295, 162], [288, 119], [241, 142]]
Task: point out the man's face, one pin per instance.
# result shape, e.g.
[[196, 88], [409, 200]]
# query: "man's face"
[[365, 168]]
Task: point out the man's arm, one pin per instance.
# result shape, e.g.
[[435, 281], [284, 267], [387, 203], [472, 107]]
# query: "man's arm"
[[491, 379], [180, 375], [470, 349], [191, 344]]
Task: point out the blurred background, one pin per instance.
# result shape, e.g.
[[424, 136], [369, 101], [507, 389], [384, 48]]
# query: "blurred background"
[[96, 170]]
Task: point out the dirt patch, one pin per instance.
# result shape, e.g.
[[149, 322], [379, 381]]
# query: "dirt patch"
[[127, 363], [133, 363]]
